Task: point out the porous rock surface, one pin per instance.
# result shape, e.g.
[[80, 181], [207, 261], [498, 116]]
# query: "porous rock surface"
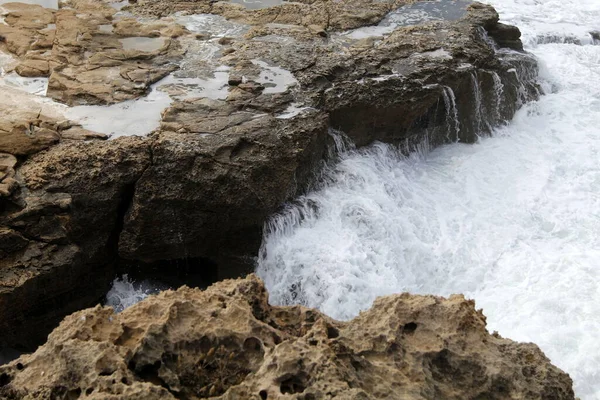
[[201, 186], [227, 342]]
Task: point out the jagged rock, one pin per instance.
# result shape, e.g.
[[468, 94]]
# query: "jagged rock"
[[214, 207], [227, 342], [238, 168]]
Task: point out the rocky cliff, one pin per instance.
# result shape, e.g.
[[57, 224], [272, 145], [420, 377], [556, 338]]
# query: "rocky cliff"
[[228, 343], [226, 152]]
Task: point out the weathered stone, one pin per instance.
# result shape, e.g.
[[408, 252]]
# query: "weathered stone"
[[70, 214], [228, 343], [33, 68], [211, 206], [26, 138], [238, 168], [78, 133], [86, 65]]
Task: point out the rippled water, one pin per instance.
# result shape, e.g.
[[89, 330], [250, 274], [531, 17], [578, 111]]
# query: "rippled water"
[[512, 221]]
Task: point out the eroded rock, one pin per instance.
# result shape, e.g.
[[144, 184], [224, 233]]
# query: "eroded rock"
[[59, 232], [235, 162], [227, 342], [85, 63]]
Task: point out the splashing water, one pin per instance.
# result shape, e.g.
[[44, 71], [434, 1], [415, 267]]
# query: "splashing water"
[[512, 221], [452, 123], [125, 292]]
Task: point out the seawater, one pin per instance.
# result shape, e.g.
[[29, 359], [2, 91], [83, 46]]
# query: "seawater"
[[512, 221]]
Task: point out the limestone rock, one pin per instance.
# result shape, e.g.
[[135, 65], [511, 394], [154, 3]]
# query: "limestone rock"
[[85, 64], [237, 162], [59, 232], [227, 342]]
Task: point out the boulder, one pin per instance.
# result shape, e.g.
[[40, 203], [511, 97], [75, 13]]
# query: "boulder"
[[59, 233]]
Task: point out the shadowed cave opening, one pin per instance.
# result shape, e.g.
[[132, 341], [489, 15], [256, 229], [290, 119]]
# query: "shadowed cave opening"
[[198, 272]]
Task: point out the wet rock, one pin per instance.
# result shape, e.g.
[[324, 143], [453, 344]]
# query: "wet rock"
[[60, 231], [235, 169], [507, 36], [239, 167], [87, 65], [228, 343]]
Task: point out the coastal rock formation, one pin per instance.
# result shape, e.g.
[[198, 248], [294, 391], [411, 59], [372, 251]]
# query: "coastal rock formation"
[[254, 99], [227, 342], [58, 242], [87, 59]]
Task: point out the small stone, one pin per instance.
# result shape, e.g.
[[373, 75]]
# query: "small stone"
[[234, 80], [318, 30]]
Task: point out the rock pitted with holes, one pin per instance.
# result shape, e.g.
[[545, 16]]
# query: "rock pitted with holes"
[[227, 342]]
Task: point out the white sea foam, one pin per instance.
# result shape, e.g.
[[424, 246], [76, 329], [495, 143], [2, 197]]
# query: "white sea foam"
[[512, 221], [126, 292]]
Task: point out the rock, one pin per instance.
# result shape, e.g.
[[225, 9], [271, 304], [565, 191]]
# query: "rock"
[[78, 133], [7, 174], [507, 36], [198, 191], [214, 200], [227, 342], [60, 233], [22, 138], [87, 65], [33, 68], [25, 26], [238, 167]]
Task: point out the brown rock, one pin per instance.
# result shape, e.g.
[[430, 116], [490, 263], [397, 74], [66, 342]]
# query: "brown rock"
[[23, 139], [228, 343], [87, 66], [201, 187], [7, 165], [79, 133], [33, 68], [235, 168], [76, 193]]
